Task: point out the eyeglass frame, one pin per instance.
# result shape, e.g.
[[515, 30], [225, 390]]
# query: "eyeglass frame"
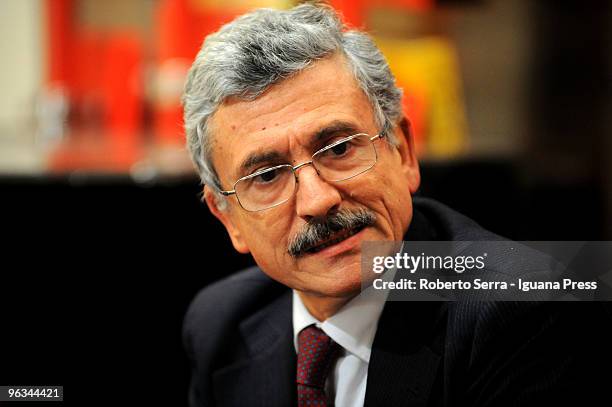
[[295, 168]]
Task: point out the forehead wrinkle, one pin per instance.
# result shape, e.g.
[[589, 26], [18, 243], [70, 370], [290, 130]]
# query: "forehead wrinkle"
[[280, 98]]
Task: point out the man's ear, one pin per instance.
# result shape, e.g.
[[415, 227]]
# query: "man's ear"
[[407, 151], [225, 217]]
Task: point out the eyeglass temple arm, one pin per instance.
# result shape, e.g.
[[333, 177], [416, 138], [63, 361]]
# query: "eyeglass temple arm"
[[227, 193], [381, 135], [222, 192]]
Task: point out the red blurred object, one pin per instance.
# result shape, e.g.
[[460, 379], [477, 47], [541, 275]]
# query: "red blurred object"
[[174, 42], [102, 74], [122, 87], [104, 81], [59, 35], [174, 25], [181, 30], [352, 11], [86, 59]]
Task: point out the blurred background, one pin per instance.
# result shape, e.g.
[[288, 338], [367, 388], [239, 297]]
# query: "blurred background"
[[105, 240]]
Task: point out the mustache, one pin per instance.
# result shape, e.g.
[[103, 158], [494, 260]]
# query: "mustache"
[[317, 230]]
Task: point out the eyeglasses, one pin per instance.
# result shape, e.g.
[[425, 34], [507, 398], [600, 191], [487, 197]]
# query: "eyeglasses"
[[341, 160]]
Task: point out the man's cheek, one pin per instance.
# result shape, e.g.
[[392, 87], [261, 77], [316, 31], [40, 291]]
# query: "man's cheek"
[[366, 192]]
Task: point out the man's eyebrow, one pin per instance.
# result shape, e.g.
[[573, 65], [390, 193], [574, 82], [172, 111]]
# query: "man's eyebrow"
[[259, 157], [333, 128]]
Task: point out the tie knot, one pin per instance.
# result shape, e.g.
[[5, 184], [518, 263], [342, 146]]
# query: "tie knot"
[[316, 354]]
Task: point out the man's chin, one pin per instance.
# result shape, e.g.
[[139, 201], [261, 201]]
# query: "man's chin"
[[345, 290], [340, 266], [336, 278]]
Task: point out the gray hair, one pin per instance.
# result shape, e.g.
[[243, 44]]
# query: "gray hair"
[[258, 49]]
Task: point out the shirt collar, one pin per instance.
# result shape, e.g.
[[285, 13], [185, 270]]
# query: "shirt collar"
[[353, 327]]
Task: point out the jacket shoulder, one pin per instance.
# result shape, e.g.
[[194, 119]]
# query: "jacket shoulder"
[[450, 224], [221, 306]]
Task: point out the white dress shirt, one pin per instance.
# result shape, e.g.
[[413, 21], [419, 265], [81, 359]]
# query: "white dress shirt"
[[353, 327]]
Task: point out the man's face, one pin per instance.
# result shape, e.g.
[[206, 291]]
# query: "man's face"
[[284, 120]]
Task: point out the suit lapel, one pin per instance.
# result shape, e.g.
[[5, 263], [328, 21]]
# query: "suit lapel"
[[408, 345], [267, 376], [406, 354]]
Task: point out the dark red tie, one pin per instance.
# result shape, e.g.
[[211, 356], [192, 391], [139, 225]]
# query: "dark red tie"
[[317, 353]]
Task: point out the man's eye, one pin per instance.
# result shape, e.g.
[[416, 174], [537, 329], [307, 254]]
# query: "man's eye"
[[339, 149], [266, 177]]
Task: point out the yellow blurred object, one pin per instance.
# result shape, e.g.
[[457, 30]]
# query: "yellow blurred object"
[[240, 5], [428, 70]]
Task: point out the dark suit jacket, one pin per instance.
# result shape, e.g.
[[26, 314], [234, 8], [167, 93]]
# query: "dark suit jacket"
[[238, 336]]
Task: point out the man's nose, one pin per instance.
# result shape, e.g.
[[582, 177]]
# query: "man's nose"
[[315, 197]]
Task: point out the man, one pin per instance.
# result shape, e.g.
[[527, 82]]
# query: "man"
[[295, 126]]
